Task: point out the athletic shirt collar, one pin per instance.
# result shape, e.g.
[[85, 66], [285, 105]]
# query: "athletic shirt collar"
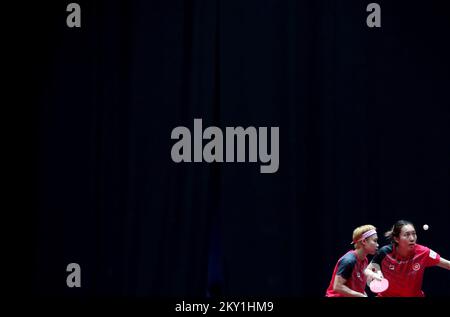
[[398, 257]]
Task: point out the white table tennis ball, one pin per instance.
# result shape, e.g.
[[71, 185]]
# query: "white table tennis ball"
[[425, 227]]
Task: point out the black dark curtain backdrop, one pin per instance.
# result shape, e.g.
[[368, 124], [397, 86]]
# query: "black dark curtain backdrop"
[[364, 138]]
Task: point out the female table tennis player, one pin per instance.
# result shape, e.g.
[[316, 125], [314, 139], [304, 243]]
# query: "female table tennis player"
[[403, 262], [348, 279]]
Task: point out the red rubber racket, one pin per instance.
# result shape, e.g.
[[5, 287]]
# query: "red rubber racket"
[[377, 286]]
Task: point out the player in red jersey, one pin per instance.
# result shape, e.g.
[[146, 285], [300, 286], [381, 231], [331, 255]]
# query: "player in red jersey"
[[403, 262], [348, 279]]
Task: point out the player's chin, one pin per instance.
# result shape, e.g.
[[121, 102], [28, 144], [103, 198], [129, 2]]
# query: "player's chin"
[[411, 245]]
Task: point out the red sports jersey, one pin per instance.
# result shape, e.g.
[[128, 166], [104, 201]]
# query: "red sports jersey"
[[352, 269], [405, 275]]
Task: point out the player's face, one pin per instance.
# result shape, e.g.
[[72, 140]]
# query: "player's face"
[[407, 238], [371, 244]]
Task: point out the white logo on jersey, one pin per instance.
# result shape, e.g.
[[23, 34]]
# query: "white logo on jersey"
[[391, 267], [433, 254], [416, 267]]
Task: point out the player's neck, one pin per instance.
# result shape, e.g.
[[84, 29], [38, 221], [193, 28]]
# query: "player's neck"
[[360, 253], [403, 253]]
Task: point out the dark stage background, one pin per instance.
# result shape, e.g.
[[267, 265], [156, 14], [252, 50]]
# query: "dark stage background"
[[364, 138]]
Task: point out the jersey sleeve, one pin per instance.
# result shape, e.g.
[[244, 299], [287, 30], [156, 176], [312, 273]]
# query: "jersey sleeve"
[[381, 253], [432, 258], [346, 265]]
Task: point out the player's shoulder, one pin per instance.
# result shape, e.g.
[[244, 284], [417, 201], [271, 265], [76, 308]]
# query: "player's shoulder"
[[349, 258], [387, 249], [421, 249]]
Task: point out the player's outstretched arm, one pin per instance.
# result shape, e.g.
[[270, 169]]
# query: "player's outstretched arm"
[[340, 287], [445, 264]]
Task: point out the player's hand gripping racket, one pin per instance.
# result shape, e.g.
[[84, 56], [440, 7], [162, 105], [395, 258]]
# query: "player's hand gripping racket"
[[378, 286]]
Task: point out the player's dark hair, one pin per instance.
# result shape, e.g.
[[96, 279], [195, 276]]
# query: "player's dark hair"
[[396, 229]]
